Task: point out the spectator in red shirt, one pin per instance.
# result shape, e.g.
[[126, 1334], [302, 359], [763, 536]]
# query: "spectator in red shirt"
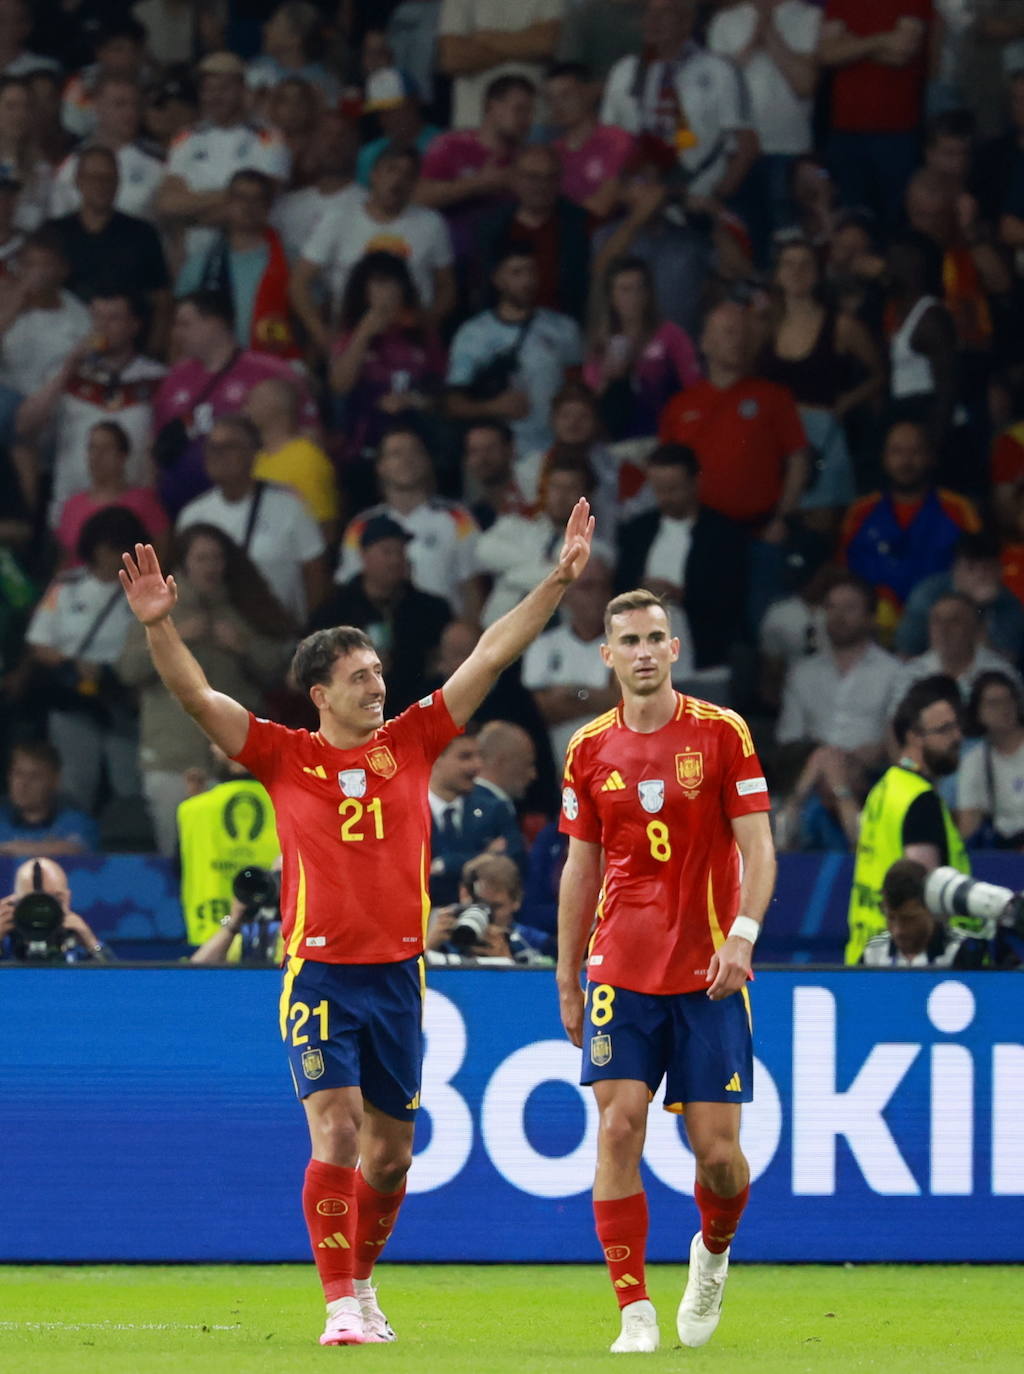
[[750, 442], [878, 51]]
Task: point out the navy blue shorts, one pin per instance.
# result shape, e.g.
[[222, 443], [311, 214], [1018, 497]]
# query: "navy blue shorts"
[[701, 1048], [356, 1026]]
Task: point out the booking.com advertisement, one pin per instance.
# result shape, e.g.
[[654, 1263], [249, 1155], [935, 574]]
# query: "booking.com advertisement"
[[149, 1115]]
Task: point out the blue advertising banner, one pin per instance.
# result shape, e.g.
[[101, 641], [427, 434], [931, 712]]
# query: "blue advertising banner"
[[148, 1115]]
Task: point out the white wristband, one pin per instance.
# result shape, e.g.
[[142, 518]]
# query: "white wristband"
[[746, 928]]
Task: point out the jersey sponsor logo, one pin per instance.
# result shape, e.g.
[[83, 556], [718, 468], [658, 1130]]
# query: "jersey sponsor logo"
[[734, 1085], [313, 1063], [652, 794], [382, 761], [332, 1206], [613, 782], [617, 1253], [352, 782], [570, 803], [690, 771], [601, 1050], [746, 786], [316, 941]]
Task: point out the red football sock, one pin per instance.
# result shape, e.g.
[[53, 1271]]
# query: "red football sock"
[[329, 1205], [622, 1230], [376, 1217], [719, 1216]]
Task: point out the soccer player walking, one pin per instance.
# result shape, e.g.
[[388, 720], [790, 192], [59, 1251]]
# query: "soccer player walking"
[[354, 824], [668, 790]]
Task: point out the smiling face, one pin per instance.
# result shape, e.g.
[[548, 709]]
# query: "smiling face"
[[353, 699], [640, 650]]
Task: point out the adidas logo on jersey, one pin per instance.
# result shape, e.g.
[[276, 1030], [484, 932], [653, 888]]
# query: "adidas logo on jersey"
[[613, 782], [335, 1242], [734, 1085], [318, 772]]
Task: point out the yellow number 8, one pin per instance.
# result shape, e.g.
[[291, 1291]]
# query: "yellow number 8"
[[657, 833], [601, 1004]]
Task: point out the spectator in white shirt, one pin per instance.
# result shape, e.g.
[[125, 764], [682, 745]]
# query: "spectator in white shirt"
[[442, 551], [269, 523], [193, 195], [563, 667], [118, 103], [385, 219], [955, 646], [40, 322], [331, 159], [480, 40], [692, 100], [773, 43], [990, 783]]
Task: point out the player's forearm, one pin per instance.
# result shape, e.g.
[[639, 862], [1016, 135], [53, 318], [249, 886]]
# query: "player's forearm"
[[178, 669], [577, 901], [503, 642], [758, 883], [215, 949]]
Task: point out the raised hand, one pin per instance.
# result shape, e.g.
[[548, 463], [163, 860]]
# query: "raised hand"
[[150, 595], [579, 533]]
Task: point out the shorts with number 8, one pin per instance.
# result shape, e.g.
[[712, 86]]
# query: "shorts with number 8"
[[701, 1048]]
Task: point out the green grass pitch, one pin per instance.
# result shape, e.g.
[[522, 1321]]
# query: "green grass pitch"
[[478, 1319]]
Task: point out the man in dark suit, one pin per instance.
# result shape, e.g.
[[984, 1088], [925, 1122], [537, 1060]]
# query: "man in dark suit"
[[467, 820], [404, 623], [690, 555]]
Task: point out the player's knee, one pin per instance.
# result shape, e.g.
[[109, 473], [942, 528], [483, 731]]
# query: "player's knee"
[[622, 1131], [385, 1168], [721, 1163], [336, 1134]]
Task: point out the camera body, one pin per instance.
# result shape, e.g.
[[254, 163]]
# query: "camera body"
[[259, 892], [980, 910], [37, 933], [470, 928]]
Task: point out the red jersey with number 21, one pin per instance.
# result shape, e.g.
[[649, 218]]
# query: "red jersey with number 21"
[[661, 806], [354, 826]]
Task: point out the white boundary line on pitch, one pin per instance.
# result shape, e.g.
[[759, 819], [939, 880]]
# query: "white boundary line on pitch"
[[115, 1326]]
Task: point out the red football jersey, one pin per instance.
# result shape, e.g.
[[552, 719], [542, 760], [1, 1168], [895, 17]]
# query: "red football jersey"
[[660, 805], [354, 826]]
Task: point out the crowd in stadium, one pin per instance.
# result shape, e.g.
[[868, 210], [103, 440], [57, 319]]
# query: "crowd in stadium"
[[343, 307]]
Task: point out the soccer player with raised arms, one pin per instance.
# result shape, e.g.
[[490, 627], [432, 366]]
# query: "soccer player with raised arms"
[[354, 823], [667, 791]]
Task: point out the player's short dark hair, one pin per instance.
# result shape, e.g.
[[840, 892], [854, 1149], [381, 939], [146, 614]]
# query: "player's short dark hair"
[[675, 456], [212, 305], [314, 659], [903, 882], [927, 691], [637, 600], [859, 584], [114, 527], [39, 750], [502, 86], [577, 71]]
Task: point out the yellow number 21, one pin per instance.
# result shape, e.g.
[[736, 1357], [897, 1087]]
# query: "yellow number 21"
[[352, 809]]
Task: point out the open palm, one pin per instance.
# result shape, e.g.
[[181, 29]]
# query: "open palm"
[[579, 532], [150, 595]]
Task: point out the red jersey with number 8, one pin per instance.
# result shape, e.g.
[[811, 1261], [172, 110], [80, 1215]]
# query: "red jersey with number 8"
[[661, 806], [354, 826]]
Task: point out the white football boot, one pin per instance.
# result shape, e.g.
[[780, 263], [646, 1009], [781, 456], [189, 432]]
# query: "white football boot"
[[376, 1328], [639, 1334], [344, 1324], [701, 1307]]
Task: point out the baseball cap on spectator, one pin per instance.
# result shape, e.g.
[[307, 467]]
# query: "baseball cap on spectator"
[[382, 527], [221, 64], [386, 89]]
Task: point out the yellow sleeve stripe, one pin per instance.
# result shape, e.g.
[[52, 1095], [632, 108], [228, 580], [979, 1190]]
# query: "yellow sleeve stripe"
[[703, 710], [594, 727]]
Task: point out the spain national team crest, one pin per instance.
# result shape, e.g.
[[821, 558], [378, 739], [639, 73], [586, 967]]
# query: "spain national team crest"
[[382, 761], [352, 782], [690, 771], [313, 1063], [601, 1050], [652, 794]]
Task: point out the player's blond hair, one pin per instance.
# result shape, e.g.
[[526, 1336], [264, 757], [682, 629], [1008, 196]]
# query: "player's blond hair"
[[637, 600]]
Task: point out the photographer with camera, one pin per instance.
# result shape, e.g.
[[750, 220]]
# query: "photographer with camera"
[[482, 924], [466, 820], [251, 931], [915, 937], [37, 924]]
